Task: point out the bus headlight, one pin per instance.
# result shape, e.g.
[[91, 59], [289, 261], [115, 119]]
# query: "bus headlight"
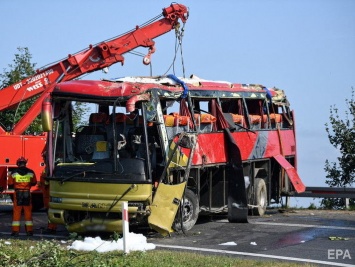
[[56, 199]]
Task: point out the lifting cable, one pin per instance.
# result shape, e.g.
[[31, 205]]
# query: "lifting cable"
[[179, 34]]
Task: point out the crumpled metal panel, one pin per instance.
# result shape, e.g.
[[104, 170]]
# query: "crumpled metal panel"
[[292, 173]]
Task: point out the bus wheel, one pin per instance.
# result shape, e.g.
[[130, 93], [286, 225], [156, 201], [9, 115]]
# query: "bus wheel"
[[190, 210], [260, 197]]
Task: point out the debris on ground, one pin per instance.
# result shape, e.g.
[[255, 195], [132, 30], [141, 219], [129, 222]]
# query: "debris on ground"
[[338, 238]]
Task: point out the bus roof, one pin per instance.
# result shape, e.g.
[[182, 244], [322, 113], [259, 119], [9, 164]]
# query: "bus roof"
[[128, 86]]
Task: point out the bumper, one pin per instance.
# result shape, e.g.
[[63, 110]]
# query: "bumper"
[[87, 225]]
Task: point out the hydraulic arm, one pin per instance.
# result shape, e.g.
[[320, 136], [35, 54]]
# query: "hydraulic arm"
[[92, 59]]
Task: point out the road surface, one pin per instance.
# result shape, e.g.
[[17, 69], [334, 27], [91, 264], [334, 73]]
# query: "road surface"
[[293, 235]]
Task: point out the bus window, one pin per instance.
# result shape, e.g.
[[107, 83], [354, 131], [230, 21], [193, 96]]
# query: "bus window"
[[205, 115], [254, 111], [233, 112]]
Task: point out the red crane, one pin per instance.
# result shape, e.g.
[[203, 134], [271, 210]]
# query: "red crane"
[[14, 144]]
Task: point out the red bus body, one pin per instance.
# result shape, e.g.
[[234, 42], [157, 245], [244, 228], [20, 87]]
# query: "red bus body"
[[233, 145]]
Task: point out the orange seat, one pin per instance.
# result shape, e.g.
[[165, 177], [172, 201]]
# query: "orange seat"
[[255, 119], [205, 118], [119, 118], [274, 118], [237, 118], [99, 117], [176, 120]]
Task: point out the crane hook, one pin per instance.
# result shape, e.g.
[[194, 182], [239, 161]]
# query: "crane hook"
[[146, 59]]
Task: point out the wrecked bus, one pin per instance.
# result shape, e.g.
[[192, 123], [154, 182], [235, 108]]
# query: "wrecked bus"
[[173, 148]]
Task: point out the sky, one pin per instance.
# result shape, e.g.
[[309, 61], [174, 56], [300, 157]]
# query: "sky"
[[305, 47]]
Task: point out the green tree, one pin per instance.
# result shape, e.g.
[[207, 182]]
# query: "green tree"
[[79, 111], [341, 134], [20, 69]]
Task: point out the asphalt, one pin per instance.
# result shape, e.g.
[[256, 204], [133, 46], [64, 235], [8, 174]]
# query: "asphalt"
[[324, 238]]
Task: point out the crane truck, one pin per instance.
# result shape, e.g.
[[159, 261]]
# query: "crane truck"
[[15, 143]]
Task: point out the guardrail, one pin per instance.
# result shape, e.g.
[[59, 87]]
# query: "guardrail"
[[327, 192]]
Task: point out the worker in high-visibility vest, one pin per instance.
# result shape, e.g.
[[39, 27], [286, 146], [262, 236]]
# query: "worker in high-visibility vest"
[[21, 179]]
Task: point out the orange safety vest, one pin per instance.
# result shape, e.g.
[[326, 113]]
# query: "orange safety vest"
[[22, 178]]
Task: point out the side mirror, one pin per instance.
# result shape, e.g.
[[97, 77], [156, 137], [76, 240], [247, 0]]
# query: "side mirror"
[[47, 115]]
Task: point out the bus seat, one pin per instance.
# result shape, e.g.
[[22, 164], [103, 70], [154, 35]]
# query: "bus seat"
[[85, 139], [275, 120], [205, 122], [101, 150], [98, 118], [238, 120], [175, 124], [255, 122], [132, 118], [120, 126]]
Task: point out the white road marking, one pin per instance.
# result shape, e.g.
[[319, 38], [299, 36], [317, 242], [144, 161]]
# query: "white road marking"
[[299, 225], [257, 255], [307, 225], [233, 252]]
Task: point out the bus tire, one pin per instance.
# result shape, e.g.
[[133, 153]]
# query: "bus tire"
[[260, 197], [190, 210]]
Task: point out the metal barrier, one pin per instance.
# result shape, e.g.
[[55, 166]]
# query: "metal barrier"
[[327, 192]]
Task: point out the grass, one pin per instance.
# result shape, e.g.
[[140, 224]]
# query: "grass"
[[43, 253]]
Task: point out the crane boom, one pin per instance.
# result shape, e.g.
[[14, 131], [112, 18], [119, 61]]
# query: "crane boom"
[[92, 59]]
